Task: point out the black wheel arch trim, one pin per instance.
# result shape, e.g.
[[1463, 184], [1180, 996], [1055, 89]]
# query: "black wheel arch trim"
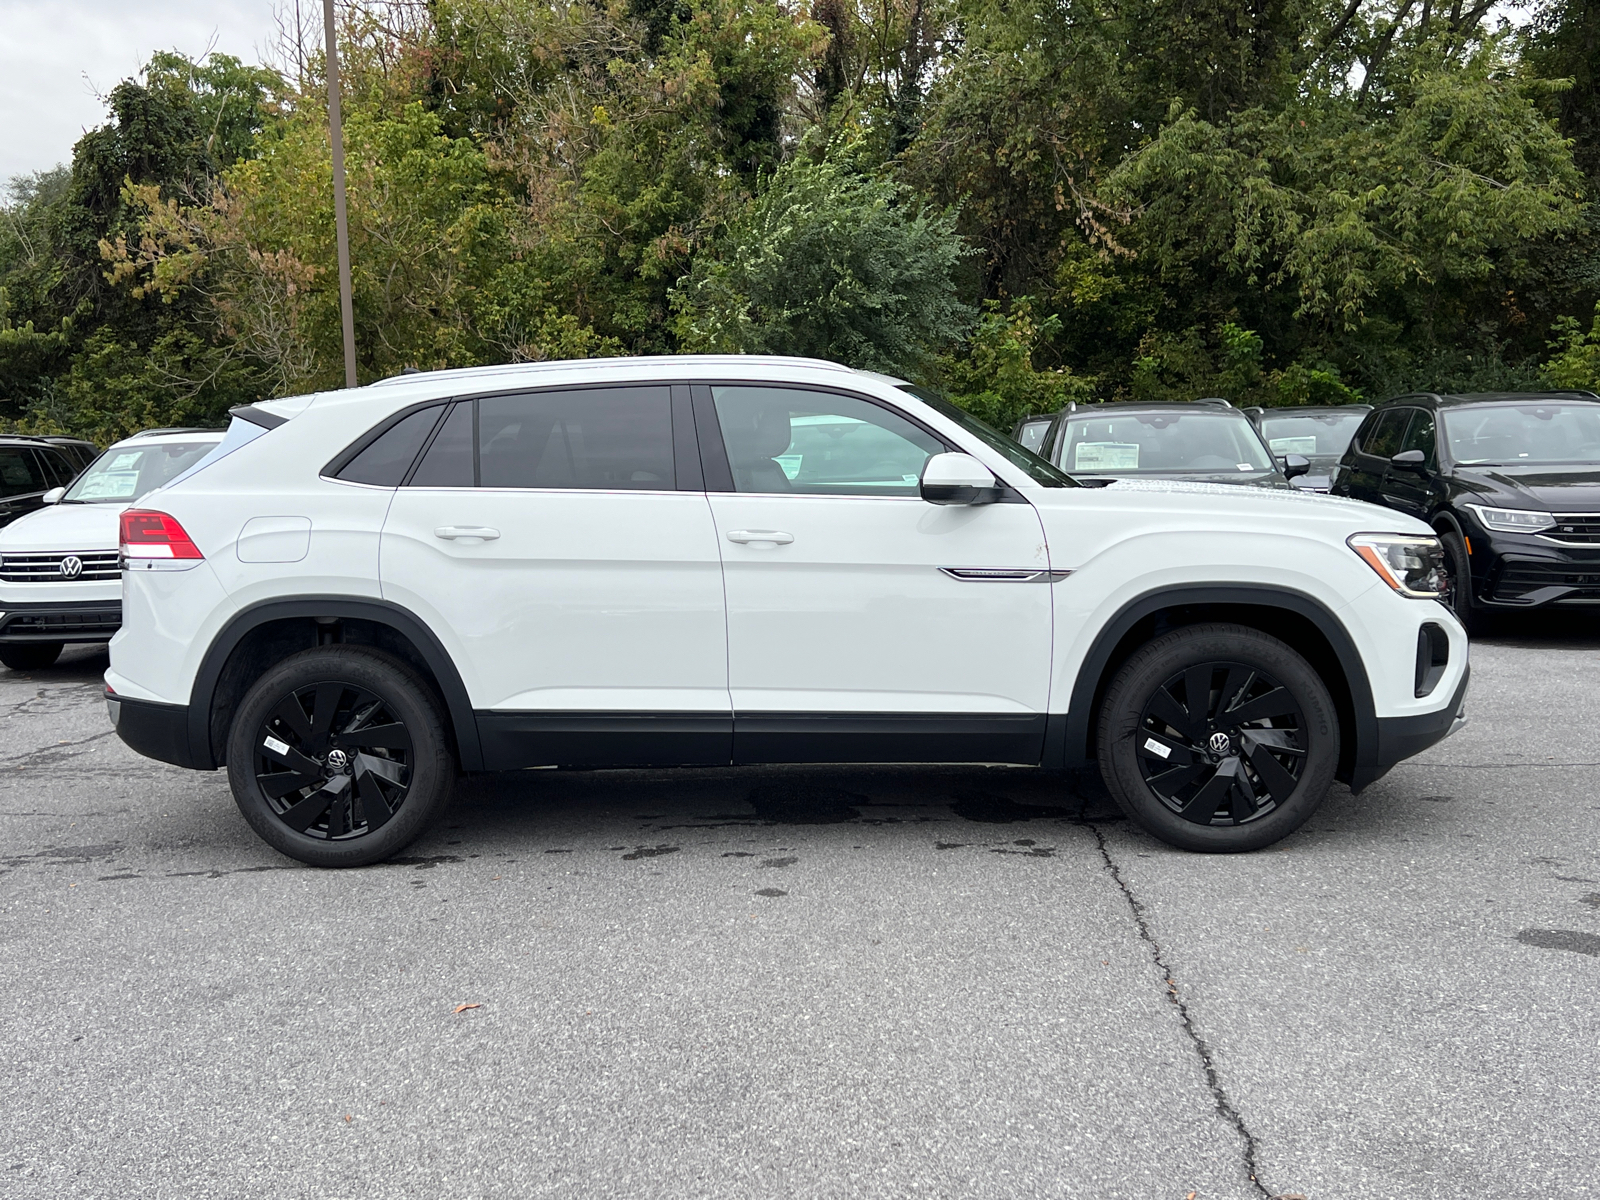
[[203, 753], [1077, 740]]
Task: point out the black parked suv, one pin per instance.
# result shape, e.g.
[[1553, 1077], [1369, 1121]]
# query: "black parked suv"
[[1208, 441], [1319, 434], [32, 466], [1511, 480]]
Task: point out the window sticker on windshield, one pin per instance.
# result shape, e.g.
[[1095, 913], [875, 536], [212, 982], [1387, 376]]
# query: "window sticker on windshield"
[[125, 462], [108, 485], [1244, 466], [790, 463], [1105, 456], [1293, 445]]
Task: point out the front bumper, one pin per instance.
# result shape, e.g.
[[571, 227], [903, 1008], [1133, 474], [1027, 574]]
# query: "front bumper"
[[1400, 738], [60, 621]]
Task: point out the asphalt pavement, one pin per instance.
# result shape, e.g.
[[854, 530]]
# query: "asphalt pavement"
[[881, 982]]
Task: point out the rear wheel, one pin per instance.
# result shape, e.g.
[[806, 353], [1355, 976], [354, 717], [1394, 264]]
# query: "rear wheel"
[[1475, 621], [338, 757], [29, 656], [1218, 738]]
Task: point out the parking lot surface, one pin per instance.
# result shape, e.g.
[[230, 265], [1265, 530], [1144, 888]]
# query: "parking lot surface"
[[880, 982]]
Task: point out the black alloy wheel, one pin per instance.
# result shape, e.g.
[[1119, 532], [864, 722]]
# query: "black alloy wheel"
[[1474, 620], [338, 756], [333, 761], [1222, 743], [1218, 738]]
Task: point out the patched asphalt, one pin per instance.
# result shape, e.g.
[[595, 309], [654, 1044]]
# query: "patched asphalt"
[[882, 982]]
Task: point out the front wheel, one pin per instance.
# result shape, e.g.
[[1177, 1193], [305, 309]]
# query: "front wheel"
[[338, 757], [1218, 738], [29, 656], [1473, 620]]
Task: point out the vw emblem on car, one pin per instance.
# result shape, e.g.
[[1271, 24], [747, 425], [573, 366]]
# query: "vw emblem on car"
[[338, 760], [1220, 743], [71, 567]]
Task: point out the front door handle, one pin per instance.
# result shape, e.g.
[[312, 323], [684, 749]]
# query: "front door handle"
[[466, 533], [745, 536]]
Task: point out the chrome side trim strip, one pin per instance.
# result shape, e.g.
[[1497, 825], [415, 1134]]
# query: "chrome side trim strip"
[[1003, 574]]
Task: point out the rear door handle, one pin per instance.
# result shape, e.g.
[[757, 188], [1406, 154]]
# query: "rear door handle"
[[745, 536], [466, 533]]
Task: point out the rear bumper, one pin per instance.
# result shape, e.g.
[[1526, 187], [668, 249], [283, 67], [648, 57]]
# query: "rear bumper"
[[1400, 738], [60, 621], [158, 731]]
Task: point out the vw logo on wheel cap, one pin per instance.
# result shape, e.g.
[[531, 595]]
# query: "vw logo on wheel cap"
[[71, 567], [338, 760], [1220, 743]]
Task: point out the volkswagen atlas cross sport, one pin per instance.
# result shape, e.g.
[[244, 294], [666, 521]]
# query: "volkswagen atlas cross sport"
[[60, 573], [1510, 481], [697, 561]]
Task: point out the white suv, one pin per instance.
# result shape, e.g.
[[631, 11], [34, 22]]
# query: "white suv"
[[60, 581], [694, 561]]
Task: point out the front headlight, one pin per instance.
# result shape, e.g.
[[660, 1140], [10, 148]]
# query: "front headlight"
[[1512, 520], [1413, 566]]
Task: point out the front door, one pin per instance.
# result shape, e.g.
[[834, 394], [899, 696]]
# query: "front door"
[[554, 540], [1412, 491], [865, 624], [1370, 454]]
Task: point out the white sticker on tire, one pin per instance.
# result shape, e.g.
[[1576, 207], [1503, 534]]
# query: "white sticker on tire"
[[1156, 747], [276, 746]]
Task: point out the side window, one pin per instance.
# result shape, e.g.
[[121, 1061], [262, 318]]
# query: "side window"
[[386, 461], [1383, 441], [817, 443], [448, 462], [18, 473], [57, 471], [606, 438], [1420, 436]]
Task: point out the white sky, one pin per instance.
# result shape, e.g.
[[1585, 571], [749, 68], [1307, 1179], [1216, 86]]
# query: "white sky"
[[56, 55]]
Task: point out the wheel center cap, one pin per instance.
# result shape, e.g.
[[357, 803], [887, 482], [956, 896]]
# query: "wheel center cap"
[[338, 760], [1217, 743]]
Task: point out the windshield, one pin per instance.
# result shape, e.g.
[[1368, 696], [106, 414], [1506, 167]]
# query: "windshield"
[[1205, 442], [1037, 468], [124, 473], [1523, 434], [1031, 435], [1320, 437]]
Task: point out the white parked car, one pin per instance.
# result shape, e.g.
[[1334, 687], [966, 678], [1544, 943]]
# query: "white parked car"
[[60, 581], [674, 561]]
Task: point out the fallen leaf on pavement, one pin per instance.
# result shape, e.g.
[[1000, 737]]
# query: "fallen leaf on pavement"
[[464, 1007]]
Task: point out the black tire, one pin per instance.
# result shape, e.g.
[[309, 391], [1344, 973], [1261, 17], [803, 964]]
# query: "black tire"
[[1474, 620], [29, 656], [339, 712], [1276, 731]]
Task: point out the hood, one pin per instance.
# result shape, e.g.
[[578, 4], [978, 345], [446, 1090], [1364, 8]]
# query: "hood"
[[1336, 515], [64, 527], [1572, 490]]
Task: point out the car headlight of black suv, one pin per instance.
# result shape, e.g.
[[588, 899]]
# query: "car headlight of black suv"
[[1512, 520]]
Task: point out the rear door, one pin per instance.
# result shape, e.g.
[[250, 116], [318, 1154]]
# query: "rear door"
[[22, 482], [865, 624], [562, 542]]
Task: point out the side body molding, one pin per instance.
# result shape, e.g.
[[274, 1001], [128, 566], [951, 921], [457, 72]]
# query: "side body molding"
[[1077, 737], [458, 705]]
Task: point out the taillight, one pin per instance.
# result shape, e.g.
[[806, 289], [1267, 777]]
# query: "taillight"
[[147, 534]]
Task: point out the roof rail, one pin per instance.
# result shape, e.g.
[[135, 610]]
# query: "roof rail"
[[172, 429]]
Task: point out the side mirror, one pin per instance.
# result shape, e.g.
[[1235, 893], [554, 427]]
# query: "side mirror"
[[1295, 465], [1410, 460], [54, 495], [958, 479]]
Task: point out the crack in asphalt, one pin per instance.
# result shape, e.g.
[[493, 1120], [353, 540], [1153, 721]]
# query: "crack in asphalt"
[[1219, 1095], [44, 753]]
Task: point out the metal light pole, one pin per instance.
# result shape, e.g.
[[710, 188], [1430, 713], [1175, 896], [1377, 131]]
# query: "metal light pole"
[[341, 219]]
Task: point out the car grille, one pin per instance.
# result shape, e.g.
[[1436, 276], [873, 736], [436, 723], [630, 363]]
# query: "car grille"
[[65, 625], [1575, 529], [1522, 580], [46, 567]]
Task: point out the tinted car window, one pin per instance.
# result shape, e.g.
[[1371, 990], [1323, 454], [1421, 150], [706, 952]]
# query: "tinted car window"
[[386, 461], [448, 462], [19, 474], [123, 474], [1420, 436], [1385, 437], [592, 438], [1521, 434], [817, 443], [56, 469], [1316, 436]]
